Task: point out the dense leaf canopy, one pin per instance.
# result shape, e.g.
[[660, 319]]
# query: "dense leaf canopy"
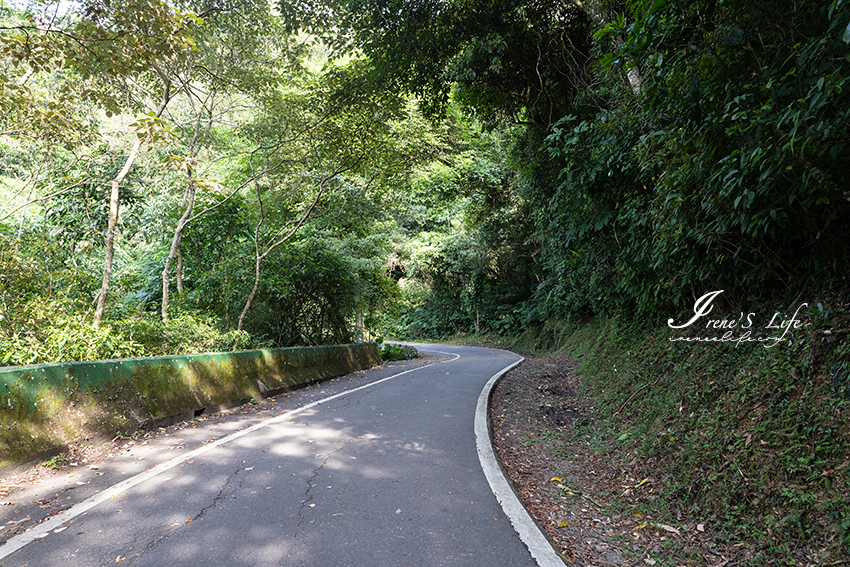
[[469, 165]]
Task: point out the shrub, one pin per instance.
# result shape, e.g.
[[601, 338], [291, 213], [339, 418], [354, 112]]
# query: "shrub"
[[391, 352]]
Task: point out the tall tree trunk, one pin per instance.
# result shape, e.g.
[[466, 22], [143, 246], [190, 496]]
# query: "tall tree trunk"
[[277, 240], [113, 209], [633, 75], [262, 256], [24, 216], [253, 293], [188, 203], [179, 274], [110, 232]]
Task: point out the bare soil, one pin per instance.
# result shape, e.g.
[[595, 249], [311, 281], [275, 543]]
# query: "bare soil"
[[599, 504]]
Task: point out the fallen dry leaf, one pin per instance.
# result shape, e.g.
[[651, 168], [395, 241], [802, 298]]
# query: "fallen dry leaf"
[[667, 528]]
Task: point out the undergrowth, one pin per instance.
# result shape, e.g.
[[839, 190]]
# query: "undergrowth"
[[49, 335], [391, 352], [754, 437]]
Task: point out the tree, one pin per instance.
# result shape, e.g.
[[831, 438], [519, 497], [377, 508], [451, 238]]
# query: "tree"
[[728, 166], [149, 128], [512, 59], [234, 68], [338, 132], [105, 45]]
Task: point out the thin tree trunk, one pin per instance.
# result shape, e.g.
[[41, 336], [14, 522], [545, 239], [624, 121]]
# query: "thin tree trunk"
[[110, 232], [188, 202], [253, 293], [260, 257], [24, 215], [113, 212], [632, 73], [179, 267], [275, 243]]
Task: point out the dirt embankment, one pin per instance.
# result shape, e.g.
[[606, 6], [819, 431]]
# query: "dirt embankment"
[[599, 504]]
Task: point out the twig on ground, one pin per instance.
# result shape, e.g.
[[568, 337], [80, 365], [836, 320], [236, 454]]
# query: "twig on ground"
[[635, 394]]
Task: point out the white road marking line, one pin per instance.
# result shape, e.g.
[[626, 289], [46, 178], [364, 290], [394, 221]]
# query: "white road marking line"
[[41, 530]]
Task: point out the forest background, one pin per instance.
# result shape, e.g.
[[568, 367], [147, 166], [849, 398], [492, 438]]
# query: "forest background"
[[219, 175]]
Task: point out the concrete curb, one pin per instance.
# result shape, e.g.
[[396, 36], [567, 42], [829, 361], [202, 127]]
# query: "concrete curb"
[[529, 532]]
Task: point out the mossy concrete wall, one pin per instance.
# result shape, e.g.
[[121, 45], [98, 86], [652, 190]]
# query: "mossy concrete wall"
[[50, 405]]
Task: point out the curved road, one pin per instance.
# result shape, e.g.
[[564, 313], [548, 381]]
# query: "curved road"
[[379, 468]]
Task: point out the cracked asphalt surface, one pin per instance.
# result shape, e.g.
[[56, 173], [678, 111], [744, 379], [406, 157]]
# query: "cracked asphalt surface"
[[387, 475]]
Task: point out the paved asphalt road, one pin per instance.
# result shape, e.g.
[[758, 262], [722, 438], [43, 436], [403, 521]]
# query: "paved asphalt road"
[[384, 475]]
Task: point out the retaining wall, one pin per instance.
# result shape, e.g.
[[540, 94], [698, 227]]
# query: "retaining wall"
[[46, 406]]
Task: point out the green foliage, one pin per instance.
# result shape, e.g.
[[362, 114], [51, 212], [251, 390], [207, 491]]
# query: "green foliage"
[[755, 436], [467, 263], [259, 130], [505, 57], [95, 43], [391, 352], [78, 217], [45, 316], [723, 167], [309, 293], [724, 172], [37, 328], [55, 462], [553, 188], [71, 338], [307, 296], [52, 338]]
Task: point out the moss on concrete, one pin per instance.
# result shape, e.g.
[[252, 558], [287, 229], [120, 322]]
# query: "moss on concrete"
[[50, 405]]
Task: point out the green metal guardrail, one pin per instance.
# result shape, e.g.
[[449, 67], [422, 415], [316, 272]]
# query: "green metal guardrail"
[[50, 405]]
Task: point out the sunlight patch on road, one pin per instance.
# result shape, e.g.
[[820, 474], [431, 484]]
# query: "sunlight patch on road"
[[45, 528]]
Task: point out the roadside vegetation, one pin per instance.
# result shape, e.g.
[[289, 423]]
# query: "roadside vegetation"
[[392, 352], [197, 176], [189, 177], [755, 439]]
